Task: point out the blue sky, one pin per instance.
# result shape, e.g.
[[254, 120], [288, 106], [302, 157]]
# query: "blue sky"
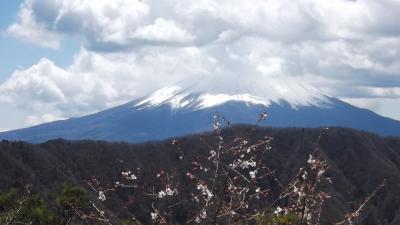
[[67, 58], [17, 55]]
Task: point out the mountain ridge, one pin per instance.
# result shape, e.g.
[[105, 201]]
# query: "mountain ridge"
[[357, 162], [177, 111]]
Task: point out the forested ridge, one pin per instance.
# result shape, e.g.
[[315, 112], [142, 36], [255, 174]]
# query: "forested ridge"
[[357, 162]]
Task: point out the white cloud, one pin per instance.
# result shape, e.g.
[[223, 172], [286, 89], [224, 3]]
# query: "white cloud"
[[349, 49], [39, 81], [385, 107], [98, 81], [163, 31], [35, 120], [29, 30], [123, 22], [2, 129]]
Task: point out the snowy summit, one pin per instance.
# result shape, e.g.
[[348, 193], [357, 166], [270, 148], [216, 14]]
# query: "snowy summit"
[[213, 91]]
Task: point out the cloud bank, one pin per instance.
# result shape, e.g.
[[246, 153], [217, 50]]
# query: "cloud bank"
[[348, 49]]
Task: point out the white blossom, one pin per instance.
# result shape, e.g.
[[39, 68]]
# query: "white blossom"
[[231, 187], [161, 194], [212, 154], [310, 160], [205, 191], [170, 192], [102, 196], [253, 174], [202, 215], [190, 175], [263, 116], [278, 210], [247, 164], [217, 125], [154, 215], [126, 174]]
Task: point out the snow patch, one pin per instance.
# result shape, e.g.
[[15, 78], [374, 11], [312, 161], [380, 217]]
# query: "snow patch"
[[160, 96], [209, 100], [211, 92]]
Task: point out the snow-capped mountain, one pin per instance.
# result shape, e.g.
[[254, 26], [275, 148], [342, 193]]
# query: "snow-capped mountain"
[[210, 92], [188, 108]]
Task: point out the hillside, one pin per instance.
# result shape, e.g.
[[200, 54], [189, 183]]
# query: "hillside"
[[358, 162]]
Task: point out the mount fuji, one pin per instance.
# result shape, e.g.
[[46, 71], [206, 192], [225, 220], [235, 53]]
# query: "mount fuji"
[[188, 108]]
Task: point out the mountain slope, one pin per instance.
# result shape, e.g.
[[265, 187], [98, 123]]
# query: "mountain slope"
[[189, 108], [358, 162]]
